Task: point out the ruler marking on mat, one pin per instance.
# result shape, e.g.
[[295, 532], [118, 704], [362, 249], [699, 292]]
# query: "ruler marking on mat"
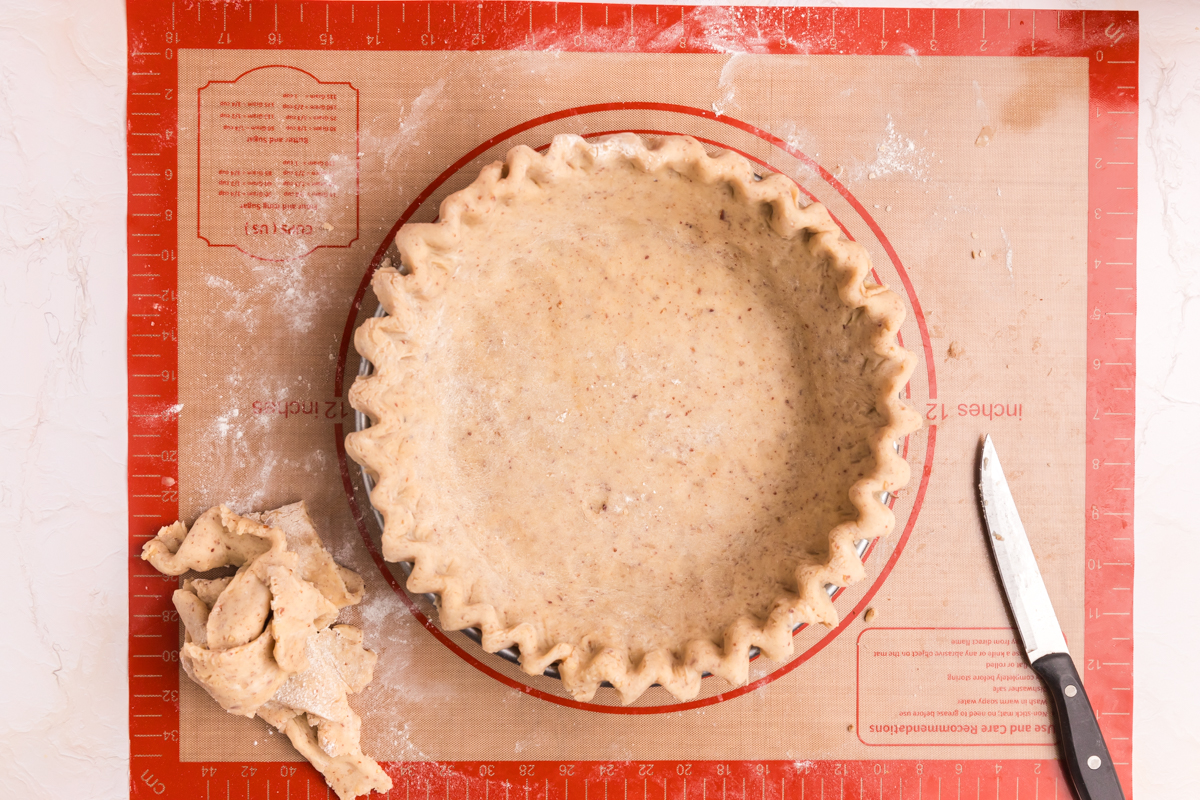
[[153, 396]]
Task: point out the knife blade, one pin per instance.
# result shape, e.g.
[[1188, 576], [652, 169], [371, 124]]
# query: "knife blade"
[[1088, 762]]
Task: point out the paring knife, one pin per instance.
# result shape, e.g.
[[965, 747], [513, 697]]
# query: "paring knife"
[[1088, 761]]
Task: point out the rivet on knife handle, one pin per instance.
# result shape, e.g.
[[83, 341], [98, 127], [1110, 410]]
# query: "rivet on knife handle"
[[1088, 761]]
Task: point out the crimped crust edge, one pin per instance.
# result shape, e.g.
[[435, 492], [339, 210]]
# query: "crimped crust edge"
[[392, 345]]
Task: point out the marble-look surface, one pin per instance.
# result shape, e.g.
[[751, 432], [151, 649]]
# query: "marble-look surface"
[[63, 688]]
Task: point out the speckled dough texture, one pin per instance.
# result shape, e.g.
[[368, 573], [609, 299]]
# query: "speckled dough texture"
[[260, 642], [631, 408]]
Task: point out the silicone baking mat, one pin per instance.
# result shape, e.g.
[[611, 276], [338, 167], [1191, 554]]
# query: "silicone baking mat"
[[986, 160]]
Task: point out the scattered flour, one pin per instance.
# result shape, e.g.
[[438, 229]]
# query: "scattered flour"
[[803, 141], [411, 126], [1008, 254], [895, 155], [280, 287], [980, 103], [735, 30], [726, 102]]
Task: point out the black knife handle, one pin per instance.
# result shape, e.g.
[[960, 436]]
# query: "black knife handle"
[[1088, 761]]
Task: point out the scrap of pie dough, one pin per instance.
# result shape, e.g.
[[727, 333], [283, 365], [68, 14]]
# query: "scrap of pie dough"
[[631, 408], [217, 538], [259, 642], [340, 586]]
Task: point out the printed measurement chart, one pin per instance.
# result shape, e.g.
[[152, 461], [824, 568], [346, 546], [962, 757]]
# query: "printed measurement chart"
[[985, 159]]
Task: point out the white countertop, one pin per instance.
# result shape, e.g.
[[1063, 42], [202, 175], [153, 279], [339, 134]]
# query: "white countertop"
[[64, 701]]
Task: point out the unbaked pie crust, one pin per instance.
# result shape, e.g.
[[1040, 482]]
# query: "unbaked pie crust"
[[631, 408]]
